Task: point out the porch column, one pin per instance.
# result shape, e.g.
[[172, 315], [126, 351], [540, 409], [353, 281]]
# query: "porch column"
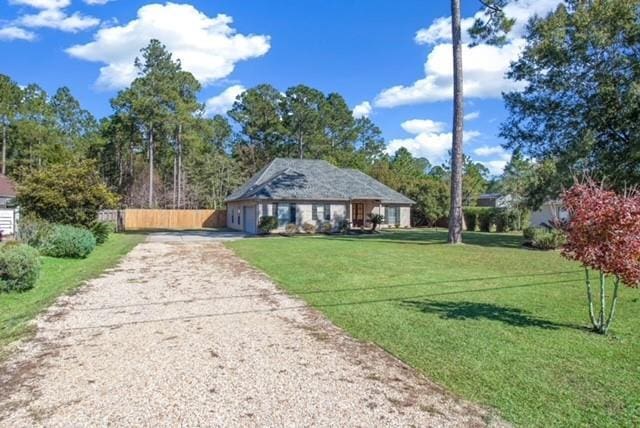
[[350, 214]]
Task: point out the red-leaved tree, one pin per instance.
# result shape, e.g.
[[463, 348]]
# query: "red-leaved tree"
[[603, 233]]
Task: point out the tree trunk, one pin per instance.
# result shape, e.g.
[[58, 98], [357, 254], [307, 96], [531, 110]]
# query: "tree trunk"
[[4, 149], [179, 165], [151, 166], [455, 212], [175, 179]]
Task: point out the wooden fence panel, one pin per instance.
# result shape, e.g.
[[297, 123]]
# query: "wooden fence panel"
[[173, 219]]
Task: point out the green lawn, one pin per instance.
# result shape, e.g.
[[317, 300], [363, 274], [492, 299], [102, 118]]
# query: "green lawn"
[[493, 322], [57, 277]]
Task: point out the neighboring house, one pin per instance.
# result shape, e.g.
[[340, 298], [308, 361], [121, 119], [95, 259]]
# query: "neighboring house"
[[8, 216], [7, 190], [298, 191], [494, 200], [548, 213]]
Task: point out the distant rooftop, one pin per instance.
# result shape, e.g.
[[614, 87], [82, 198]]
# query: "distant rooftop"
[[305, 179], [7, 187]]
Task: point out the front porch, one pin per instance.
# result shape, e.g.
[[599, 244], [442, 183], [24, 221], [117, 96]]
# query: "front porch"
[[360, 211]]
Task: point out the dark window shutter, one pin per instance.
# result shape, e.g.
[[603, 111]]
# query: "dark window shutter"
[[292, 213], [314, 212]]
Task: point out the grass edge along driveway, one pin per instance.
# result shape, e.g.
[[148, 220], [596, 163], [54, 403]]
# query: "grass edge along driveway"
[[493, 322], [57, 277]]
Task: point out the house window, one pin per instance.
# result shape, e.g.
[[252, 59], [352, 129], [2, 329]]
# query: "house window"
[[321, 212], [239, 216], [283, 214], [233, 216], [392, 215]]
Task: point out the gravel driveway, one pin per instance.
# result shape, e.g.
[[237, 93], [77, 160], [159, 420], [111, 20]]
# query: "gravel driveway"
[[186, 333]]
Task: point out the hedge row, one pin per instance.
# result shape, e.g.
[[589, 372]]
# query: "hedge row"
[[486, 218]]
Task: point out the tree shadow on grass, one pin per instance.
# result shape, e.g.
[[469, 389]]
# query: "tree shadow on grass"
[[466, 310], [433, 237]]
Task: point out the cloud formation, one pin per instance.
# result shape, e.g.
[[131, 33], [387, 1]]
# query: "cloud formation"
[[484, 65], [50, 14], [362, 110], [58, 20], [208, 47], [429, 140], [500, 158], [16, 33], [221, 103]]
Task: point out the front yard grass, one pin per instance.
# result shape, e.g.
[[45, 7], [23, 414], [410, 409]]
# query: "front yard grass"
[[58, 276], [493, 322]]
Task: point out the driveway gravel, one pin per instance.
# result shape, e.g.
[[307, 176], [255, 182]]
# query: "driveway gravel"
[[187, 333]]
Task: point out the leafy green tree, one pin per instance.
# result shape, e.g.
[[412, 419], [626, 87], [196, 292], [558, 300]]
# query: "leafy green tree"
[[303, 120], [10, 97], [580, 106], [67, 194], [516, 182], [258, 112]]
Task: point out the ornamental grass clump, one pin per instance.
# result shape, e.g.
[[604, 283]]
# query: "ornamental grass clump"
[[603, 233]]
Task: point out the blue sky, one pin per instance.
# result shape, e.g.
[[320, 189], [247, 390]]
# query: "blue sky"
[[392, 59]]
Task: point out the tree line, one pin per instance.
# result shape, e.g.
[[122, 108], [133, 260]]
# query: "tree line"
[[158, 148]]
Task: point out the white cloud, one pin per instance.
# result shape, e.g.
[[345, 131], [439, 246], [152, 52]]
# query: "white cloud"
[[422, 126], [489, 151], [42, 4], [12, 32], [207, 47], [221, 103], [484, 75], [362, 110], [96, 2], [496, 166], [429, 140], [484, 66], [500, 158], [472, 115], [59, 20]]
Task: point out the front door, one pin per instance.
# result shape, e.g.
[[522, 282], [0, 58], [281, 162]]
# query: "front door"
[[358, 215]]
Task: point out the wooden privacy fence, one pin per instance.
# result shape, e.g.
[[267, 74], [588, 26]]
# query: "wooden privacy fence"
[[173, 219]]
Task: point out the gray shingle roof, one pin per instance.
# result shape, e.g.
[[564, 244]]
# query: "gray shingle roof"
[[304, 179]]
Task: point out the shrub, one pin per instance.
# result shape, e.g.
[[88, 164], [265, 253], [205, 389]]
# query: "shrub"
[[309, 228], [485, 219], [66, 193], [343, 226], [19, 267], [548, 240], [291, 229], [502, 220], [376, 220], [101, 231], [33, 230], [471, 218], [68, 241], [327, 227], [528, 233], [267, 223]]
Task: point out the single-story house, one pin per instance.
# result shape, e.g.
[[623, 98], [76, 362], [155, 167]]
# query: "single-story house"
[[549, 212], [494, 200], [298, 191], [7, 190]]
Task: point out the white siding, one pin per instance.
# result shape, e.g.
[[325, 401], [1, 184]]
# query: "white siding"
[[8, 220], [548, 212]]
